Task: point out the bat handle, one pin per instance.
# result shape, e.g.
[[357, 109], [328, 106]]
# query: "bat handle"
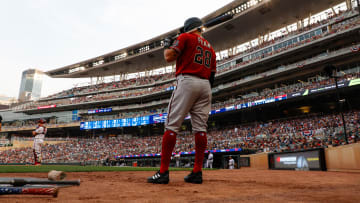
[[10, 190]]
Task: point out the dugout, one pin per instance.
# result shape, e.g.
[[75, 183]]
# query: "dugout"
[[188, 160], [185, 161], [226, 158], [239, 160]]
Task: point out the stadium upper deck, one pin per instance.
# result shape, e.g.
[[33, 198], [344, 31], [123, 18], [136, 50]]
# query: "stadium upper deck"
[[256, 16], [298, 47], [333, 40]]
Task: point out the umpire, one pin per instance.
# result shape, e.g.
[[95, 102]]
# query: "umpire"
[[195, 71]]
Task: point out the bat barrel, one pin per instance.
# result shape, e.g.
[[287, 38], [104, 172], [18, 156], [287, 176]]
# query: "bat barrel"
[[21, 182], [218, 20], [62, 182]]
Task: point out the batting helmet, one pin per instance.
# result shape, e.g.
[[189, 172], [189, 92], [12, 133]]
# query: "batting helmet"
[[192, 23], [41, 121]]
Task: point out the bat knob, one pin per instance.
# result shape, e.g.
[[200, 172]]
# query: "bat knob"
[[56, 192]]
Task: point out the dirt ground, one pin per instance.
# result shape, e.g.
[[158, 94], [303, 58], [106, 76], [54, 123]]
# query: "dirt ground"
[[241, 185]]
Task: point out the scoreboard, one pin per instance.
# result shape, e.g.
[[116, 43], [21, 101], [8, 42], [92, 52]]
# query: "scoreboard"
[[125, 122]]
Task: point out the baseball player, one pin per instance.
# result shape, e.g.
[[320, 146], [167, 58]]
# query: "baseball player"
[[231, 163], [209, 162], [0, 121], [195, 71], [39, 134], [177, 159]]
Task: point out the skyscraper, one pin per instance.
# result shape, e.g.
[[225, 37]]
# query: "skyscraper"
[[31, 83]]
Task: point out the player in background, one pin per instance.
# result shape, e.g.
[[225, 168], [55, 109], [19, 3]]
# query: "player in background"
[[39, 134], [210, 160], [231, 163], [195, 72], [177, 159], [0, 122]]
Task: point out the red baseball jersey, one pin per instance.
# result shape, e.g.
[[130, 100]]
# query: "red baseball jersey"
[[197, 57]]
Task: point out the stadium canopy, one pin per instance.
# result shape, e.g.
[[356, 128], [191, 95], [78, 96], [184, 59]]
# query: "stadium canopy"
[[248, 23]]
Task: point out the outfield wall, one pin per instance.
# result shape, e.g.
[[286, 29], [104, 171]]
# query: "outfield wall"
[[343, 158]]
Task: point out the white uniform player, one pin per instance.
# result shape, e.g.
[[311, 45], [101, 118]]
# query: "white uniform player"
[[231, 163], [177, 159], [210, 160], [39, 134]]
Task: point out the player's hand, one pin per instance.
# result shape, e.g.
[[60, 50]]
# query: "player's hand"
[[168, 42]]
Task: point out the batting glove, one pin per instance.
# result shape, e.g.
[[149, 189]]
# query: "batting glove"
[[168, 42]]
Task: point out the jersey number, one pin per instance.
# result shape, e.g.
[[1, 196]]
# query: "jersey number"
[[201, 59]]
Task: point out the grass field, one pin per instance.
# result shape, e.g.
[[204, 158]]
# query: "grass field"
[[68, 168]]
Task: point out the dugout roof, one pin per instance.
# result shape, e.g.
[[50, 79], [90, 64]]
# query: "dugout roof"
[[268, 15]]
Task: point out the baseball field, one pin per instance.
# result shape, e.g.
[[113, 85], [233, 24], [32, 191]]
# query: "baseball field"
[[128, 184]]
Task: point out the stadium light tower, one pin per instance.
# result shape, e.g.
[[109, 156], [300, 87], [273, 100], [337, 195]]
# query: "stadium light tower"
[[331, 71]]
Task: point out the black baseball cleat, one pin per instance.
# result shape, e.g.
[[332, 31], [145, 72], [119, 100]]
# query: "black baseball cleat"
[[159, 178], [194, 177]]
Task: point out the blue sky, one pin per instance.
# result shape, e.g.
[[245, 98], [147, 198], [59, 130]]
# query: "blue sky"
[[49, 34]]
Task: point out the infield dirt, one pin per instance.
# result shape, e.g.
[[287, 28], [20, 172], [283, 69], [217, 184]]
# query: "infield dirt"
[[244, 185]]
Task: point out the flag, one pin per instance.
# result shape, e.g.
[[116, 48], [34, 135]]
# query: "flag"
[[307, 133], [355, 48]]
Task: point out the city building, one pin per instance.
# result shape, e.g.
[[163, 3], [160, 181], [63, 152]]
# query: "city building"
[[31, 83]]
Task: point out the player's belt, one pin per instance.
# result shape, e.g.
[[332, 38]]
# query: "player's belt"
[[192, 75]]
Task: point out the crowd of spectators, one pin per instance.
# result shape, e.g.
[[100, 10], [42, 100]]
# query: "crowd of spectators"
[[104, 96], [288, 34], [340, 26], [310, 131], [103, 91], [287, 89], [134, 82], [250, 97]]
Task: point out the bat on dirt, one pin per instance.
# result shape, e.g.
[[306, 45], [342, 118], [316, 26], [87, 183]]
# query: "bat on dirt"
[[209, 23], [29, 190], [21, 182]]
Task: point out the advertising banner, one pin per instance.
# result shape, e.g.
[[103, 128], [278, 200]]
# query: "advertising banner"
[[47, 107], [328, 87], [297, 94], [299, 160]]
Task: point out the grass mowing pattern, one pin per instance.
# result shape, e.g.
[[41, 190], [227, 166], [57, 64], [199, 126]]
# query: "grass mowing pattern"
[[65, 168]]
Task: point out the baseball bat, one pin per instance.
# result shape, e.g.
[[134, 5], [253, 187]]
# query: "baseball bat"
[[218, 20], [208, 24], [29, 190], [21, 182]]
